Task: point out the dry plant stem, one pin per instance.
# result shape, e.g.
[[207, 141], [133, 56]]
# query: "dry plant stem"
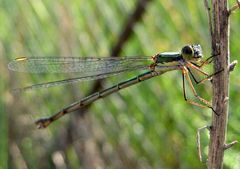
[[232, 66], [220, 44], [206, 4], [229, 145], [235, 7], [199, 141]]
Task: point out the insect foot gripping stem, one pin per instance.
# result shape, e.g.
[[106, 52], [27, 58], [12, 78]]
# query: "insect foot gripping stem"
[[214, 111], [42, 123]]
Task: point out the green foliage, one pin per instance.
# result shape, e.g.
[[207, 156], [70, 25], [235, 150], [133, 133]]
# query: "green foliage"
[[145, 126]]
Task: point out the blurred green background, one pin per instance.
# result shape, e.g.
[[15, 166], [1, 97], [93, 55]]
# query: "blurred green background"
[[148, 125]]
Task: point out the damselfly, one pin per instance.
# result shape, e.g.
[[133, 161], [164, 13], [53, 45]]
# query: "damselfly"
[[190, 57]]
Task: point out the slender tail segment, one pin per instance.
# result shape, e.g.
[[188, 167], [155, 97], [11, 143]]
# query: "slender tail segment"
[[44, 122]]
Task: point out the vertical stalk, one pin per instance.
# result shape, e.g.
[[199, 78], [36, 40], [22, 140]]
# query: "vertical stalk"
[[220, 45]]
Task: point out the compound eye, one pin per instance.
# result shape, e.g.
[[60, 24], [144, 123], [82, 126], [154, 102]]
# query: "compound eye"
[[187, 50]]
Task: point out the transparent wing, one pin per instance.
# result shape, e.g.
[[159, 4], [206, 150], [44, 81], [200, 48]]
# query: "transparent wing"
[[84, 66], [88, 68]]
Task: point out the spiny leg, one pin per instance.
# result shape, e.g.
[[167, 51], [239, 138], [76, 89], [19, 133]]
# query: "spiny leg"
[[194, 78], [184, 89], [208, 77], [207, 104], [207, 61], [185, 72], [185, 96], [189, 64]]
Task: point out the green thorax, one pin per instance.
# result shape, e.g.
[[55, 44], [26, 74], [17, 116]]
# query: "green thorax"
[[167, 57]]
